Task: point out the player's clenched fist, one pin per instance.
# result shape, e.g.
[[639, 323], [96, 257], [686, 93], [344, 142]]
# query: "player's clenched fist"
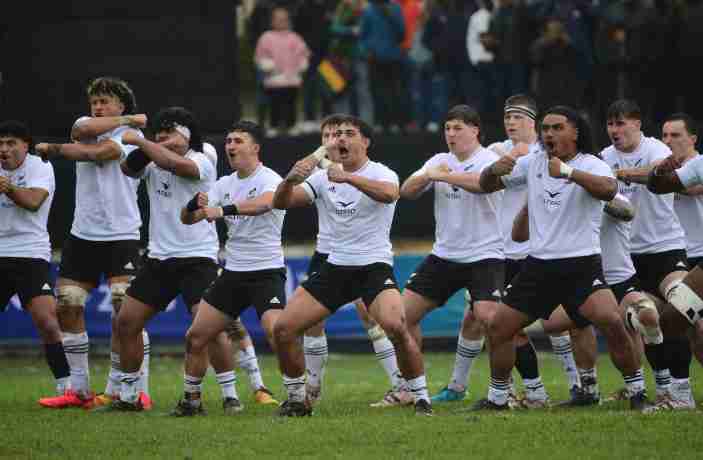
[[504, 165]]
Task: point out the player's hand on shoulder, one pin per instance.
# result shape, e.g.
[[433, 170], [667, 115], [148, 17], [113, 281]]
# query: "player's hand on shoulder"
[[130, 137], [301, 170]]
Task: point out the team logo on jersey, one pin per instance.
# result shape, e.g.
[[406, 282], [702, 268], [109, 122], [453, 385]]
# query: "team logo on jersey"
[[468, 167], [552, 201], [226, 197], [539, 175], [344, 208], [616, 166], [251, 193], [165, 192], [638, 162], [166, 185], [345, 204], [332, 189]]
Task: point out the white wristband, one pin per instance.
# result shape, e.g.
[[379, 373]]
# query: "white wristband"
[[320, 153], [565, 170]]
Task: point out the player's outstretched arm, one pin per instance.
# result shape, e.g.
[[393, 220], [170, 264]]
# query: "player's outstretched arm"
[[163, 157], [90, 128], [601, 187], [378, 190], [106, 150], [467, 181], [414, 186], [30, 199], [634, 175]]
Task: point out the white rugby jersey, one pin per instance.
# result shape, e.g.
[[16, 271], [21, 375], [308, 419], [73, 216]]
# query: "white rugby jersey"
[[324, 228], [656, 227], [168, 194], [467, 224], [254, 242], [513, 200], [615, 249], [360, 225], [564, 218], [689, 209], [23, 233], [106, 199], [691, 173]]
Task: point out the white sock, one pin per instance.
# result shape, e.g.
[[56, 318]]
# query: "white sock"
[[563, 351], [192, 389], [634, 383], [76, 348], [248, 362], [681, 389], [662, 378], [466, 353], [129, 391], [498, 391], [385, 354], [227, 381], [315, 349], [144, 370], [63, 384], [114, 378], [534, 389], [295, 388], [418, 388]]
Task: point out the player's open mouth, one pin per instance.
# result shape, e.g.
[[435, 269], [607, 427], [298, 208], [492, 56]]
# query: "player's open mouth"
[[549, 145], [343, 151]]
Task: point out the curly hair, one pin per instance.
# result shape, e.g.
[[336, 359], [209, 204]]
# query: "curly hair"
[[114, 86]]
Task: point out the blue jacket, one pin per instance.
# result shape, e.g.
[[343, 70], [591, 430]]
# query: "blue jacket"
[[382, 33]]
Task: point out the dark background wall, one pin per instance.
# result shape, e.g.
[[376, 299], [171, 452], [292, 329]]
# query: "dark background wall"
[[172, 53]]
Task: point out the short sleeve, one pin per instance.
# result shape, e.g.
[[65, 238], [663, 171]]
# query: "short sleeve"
[[42, 177], [214, 195], [313, 184], [271, 183], [518, 176], [206, 170], [386, 174], [599, 168]]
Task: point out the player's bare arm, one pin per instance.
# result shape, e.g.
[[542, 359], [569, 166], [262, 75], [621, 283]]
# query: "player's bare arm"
[[414, 186], [90, 128], [30, 199], [106, 150], [385, 192], [164, 158], [490, 176], [663, 179], [600, 187], [620, 208], [521, 225]]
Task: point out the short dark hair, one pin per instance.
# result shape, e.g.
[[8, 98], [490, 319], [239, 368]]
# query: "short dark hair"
[[114, 86], [467, 114], [688, 122], [167, 118], [584, 142], [625, 108], [249, 127], [358, 123], [331, 120], [14, 128]]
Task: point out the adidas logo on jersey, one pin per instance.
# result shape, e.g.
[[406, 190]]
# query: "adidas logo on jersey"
[[597, 282], [275, 300], [129, 266], [388, 282]]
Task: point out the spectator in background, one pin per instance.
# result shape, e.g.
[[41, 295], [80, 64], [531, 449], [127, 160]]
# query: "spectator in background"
[[259, 21], [445, 35], [482, 60], [282, 56], [411, 10], [344, 47], [556, 64], [382, 32], [509, 37], [690, 52], [312, 22], [428, 87]]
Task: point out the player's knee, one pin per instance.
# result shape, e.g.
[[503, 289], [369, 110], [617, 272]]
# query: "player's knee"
[[195, 342], [70, 299], [118, 292], [236, 330], [283, 332]]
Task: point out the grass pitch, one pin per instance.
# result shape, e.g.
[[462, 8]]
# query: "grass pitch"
[[343, 426]]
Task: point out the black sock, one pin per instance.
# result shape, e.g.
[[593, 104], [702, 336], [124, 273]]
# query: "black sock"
[[526, 361], [56, 358], [680, 357], [657, 356]]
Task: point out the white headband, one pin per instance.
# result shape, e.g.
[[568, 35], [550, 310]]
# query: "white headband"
[[183, 131]]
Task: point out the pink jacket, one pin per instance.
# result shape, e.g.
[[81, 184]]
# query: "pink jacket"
[[283, 57]]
